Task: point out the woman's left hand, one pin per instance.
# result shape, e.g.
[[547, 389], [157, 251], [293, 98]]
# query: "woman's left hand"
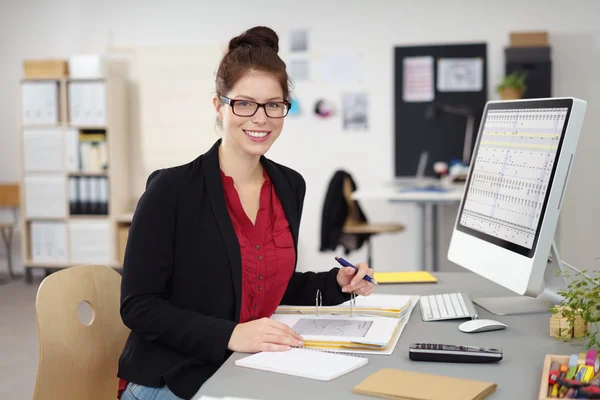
[[351, 280]]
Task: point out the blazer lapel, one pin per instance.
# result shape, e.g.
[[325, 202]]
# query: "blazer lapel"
[[216, 197], [287, 197]]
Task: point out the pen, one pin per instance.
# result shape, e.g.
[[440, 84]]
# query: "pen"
[[347, 264]]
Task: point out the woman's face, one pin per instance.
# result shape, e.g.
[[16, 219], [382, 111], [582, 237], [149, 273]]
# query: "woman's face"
[[253, 135]]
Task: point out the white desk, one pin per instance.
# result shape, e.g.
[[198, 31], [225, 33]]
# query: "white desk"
[[426, 199]]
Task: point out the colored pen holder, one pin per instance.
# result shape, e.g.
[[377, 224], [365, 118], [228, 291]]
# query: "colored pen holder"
[[584, 363]]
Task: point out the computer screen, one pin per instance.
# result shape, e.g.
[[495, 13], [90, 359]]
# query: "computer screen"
[[512, 170], [511, 202]]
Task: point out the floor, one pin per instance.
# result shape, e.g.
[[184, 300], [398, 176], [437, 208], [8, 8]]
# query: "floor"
[[18, 340]]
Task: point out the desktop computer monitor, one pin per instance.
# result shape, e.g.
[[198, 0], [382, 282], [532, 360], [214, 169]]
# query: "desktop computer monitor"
[[504, 230]]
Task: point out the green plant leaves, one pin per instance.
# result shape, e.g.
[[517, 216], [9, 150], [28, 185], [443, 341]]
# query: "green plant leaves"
[[582, 297], [515, 79]]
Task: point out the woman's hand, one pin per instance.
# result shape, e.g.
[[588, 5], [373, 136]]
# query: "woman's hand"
[[263, 335], [351, 280]]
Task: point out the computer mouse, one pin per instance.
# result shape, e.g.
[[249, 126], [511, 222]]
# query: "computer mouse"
[[481, 325]]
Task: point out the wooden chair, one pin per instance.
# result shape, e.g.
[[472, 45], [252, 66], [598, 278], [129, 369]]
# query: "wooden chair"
[[79, 361], [9, 198], [354, 226]]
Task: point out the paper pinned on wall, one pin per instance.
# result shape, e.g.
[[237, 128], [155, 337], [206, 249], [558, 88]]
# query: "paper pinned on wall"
[[299, 69], [299, 41], [344, 69], [460, 74], [355, 111], [417, 79]]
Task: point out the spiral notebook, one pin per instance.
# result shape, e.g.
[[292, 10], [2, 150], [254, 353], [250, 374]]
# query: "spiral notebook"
[[305, 363]]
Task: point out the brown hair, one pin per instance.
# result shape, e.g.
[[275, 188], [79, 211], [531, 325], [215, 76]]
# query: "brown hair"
[[256, 49]]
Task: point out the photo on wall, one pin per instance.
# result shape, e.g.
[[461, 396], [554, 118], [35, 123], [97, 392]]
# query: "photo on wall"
[[355, 111]]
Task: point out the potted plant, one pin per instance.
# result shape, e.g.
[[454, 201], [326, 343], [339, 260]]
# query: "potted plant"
[[512, 86], [580, 309]]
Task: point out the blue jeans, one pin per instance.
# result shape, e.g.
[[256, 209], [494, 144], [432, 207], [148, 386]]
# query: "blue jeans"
[[139, 392]]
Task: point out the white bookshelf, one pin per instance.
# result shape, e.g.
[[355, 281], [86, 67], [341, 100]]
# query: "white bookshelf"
[[49, 181]]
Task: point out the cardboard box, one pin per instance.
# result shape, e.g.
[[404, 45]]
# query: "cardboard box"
[[45, 68], [529, 39], [87, 66]]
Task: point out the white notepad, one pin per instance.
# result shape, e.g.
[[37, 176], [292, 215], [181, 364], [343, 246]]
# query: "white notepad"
[[305, 363]]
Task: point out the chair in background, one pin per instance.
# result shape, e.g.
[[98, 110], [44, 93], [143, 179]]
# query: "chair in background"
[[9, 198], [344, 223], [79, 361]]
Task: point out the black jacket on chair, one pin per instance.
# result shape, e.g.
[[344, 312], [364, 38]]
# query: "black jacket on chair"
[[182, 278], [335, 213]]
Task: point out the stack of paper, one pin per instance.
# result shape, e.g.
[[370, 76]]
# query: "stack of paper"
[[43, 150], [45, 196], [386, 305]]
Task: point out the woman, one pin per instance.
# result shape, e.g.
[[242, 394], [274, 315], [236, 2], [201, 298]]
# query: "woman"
[[212, 248]]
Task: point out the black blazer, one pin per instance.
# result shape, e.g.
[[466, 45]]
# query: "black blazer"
[[182, 279]]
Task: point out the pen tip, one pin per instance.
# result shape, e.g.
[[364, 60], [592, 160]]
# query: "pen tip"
[[337, 258]]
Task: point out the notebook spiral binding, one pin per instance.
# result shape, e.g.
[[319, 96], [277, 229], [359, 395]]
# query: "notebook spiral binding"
[[330, 351]]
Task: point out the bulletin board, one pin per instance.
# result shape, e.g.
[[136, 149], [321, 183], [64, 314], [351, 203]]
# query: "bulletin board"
[[449, 74]]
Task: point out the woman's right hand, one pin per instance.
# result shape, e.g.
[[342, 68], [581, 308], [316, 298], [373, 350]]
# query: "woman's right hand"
[[263, 335]]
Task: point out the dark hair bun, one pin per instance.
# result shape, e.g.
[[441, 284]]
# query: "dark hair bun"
[[259, 36]]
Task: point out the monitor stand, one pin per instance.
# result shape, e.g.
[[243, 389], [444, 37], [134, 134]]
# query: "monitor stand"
[[531, 305]]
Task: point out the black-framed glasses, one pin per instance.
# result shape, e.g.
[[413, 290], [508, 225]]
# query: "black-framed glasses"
[[247, 108]]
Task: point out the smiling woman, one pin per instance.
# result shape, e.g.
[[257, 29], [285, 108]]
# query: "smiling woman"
[[231, 215]]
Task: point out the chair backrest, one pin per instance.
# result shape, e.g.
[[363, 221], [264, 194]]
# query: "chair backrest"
[[79, 361], [347, 190], [9, 196]]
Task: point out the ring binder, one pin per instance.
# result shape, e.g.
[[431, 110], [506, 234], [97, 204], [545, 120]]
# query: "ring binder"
[[318, 301]]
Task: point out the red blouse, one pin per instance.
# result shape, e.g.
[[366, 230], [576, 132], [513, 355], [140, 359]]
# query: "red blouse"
[[267, 250]]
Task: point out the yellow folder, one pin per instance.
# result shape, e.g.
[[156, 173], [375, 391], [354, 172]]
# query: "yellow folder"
[[405, 277]]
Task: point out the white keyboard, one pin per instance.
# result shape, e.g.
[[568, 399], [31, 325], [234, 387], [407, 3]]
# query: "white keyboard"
[[439, 307]]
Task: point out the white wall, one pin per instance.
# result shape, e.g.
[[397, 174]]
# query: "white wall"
[[33, 29]]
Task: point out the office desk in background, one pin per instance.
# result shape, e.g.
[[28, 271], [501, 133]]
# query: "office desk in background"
[[425, 199], [525, 343]]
